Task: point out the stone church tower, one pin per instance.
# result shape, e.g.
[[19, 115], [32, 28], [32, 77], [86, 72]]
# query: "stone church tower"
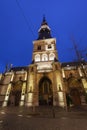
[[45, 81], [45, 75]]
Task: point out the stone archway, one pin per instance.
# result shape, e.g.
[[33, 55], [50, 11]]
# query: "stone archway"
[[75, 96], [15, 94], [45, 92], [75, 87]]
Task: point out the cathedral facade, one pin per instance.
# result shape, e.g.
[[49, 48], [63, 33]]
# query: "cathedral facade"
[[45, 81]]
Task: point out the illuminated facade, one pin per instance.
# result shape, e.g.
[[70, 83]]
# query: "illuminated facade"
[[45, 81]]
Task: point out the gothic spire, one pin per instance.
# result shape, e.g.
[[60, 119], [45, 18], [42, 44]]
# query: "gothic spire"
[[44, 31], [44, 21]]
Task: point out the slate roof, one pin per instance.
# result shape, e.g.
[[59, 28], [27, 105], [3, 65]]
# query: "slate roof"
[[44, 31], [19, 68], [73, 63]]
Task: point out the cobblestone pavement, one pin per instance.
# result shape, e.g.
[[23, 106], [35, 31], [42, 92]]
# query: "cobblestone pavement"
[[43, 118]]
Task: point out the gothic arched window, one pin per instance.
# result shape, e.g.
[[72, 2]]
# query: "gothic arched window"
[[51, 56], [37, 57], [39, 47], [44, 57], [49, 46]]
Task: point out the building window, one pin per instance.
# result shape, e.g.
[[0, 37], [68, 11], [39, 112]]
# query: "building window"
[[44, 57], [39, 47], [51, 56], [46, 87], [49, 46], [37, 57]]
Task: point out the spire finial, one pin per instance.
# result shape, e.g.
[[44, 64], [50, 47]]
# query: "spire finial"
[[44, 31], [44, 21], [44, 18]]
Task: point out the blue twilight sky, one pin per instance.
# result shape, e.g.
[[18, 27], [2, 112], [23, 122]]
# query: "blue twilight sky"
[[19, 26]]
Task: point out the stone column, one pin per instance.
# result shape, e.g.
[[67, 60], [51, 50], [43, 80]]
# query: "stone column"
[[29, 93], [8, 92], [60, 87], [54, 87], [22, 101], [84, 82], [35, 96], [0, 76], [80, 72], [63, 73]]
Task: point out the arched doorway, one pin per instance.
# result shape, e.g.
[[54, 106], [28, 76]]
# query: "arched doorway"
[[75, 95], [75, 88], [45, 92], [15, 94]]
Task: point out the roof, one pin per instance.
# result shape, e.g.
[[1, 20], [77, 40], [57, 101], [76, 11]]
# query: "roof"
[[73, 63], [44, 31], [19, 68]]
